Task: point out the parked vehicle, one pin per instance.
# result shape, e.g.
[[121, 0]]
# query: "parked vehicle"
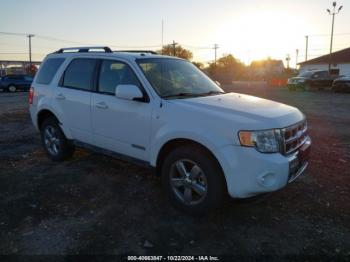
[[308, 80], [341, 84], [13, 83], [164, 113]]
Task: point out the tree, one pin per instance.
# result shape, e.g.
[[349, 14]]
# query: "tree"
[[179, 52], [199, 65], [227, 69]]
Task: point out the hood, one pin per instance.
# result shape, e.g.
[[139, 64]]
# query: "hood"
[[297, 77], [252, 112]]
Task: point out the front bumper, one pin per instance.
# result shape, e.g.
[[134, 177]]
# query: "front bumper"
[[249, 173], [296, 85]]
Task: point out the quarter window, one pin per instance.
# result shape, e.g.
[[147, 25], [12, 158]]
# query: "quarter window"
[[114, 73], [48, 70], [79, 74]]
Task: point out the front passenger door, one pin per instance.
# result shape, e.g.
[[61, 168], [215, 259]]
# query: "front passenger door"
[[119, 125]]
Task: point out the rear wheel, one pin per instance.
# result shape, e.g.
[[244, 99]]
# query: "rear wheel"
[[12, 88], [193, 180], [56, 145]]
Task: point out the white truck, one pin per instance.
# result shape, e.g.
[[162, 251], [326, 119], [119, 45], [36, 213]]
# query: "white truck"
[[164, 113]]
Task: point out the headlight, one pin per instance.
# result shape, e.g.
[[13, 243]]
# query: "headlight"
[[301, 81], [266, 141]]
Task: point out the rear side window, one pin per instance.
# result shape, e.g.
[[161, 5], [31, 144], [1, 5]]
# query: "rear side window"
[[48, 70], [114, 73], [79, 74]]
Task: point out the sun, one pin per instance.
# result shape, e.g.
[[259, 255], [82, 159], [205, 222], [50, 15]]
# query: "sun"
[[257, 35]]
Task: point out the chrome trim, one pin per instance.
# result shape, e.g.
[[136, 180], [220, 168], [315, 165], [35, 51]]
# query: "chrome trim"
[[298, 146], [296, 134], [299, 173]]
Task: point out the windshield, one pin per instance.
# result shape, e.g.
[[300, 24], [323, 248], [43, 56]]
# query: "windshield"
[[177, 78], [306, 74]]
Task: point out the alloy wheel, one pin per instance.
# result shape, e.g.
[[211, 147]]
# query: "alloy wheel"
[[51, 139], [188, 182]]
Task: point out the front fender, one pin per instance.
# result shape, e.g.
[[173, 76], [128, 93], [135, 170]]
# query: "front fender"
[[164, 137]]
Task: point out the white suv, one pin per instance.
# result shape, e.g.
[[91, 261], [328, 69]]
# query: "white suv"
[[164, 113]]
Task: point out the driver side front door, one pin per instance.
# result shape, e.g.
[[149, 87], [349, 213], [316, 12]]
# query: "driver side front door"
[[119, 125]]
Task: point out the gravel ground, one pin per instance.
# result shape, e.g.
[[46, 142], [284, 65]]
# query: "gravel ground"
[[96, 205]]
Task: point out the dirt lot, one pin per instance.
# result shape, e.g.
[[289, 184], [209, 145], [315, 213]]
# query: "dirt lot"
[[94, 204]]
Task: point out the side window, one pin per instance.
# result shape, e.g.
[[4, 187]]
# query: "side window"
[[48, 70], [323, 74], [79, 74], [114, 73]]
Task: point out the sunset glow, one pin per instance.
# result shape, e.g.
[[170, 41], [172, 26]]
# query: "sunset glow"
[[249, 30]]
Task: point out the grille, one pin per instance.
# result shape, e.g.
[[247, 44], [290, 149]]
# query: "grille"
[[294, 136]]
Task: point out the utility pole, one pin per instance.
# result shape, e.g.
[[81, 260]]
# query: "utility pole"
[[307, 47], [296, 58], [331, 47], [30, 49], [288, 60], [174, 47], [216, 46], [162, 35]]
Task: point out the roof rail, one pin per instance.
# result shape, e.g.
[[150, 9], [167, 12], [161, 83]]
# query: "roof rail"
[[138, 51], [84, 49]]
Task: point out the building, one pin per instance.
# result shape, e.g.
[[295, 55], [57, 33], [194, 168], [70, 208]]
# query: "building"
[[8, 67], [340, 63]]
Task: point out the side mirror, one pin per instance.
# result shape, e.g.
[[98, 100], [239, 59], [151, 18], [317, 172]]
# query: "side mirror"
[[128, 92]]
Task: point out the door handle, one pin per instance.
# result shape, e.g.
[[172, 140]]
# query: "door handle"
[[102, 105], [60, 96]]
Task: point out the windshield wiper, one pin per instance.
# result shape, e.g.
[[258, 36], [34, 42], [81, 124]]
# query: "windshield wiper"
[[212, 93], [180, 95], [186, 94]]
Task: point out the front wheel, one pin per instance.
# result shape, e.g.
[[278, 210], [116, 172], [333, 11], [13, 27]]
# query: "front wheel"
[[56, 145], [193, 180]]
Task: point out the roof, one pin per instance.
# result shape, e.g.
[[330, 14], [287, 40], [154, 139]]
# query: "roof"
[[339, 57], [130, 55], [118, 55]]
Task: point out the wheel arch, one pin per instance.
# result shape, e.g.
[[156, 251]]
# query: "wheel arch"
[[44, 113], [170, 145]]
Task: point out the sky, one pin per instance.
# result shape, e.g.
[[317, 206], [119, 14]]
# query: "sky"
[[249, 29]]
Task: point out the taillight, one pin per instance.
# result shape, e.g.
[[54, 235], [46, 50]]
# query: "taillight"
[[31, 95]]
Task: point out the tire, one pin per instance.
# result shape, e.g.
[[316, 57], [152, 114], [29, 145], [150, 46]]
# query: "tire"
[[192, 169], [291, 88], [57, 147], [12, 88]]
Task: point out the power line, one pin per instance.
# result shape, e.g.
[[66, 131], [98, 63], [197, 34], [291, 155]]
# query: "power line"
[[16, 34]]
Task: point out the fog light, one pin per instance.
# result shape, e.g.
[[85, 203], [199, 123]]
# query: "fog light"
[[267, 179]]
